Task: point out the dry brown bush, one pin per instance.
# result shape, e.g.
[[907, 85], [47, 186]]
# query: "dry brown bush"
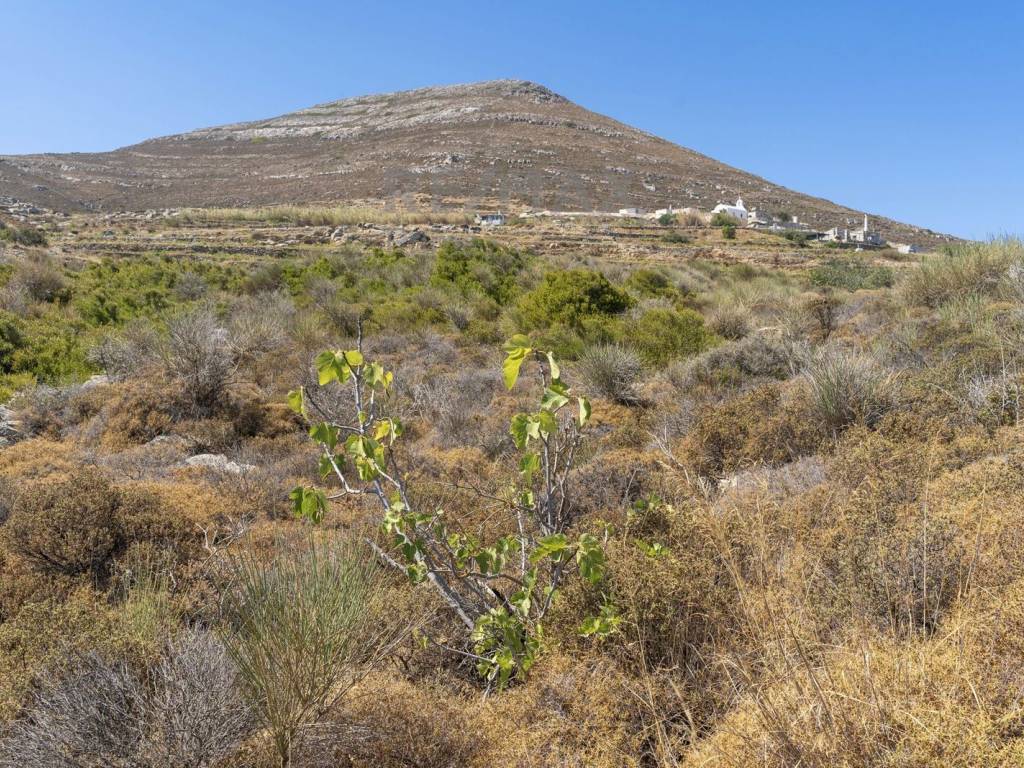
[[199, 357], [137, 412], [57, 411], [68, 526], [730, 320], [767, 425], [187, 712], [46, 632], [392, 723], [40, 278], [736, 364]]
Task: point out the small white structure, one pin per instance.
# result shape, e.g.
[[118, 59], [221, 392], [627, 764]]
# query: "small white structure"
[[490, 219], [670, 211], [631, 211], [738, 211], [907, 247]]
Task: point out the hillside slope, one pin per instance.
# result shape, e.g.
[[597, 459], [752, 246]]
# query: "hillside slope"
[[505, 142]]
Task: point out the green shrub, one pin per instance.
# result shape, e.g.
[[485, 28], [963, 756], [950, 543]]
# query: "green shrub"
[[729, 231], [114, 292], [573, 298], [401, 313], [661, 335], [667, 219], [53, 348], [675, 238], [28, 236], [851, 275], [12, 338], [797, 236], [479, 267], [721, 219], [650, 284]]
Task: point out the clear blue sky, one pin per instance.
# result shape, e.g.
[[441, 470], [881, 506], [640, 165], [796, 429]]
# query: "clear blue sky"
[[913, 109]]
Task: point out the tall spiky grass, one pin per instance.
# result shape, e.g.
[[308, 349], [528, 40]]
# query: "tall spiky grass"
[[847, 388], [962, 270], [613, 372], [301, 630]]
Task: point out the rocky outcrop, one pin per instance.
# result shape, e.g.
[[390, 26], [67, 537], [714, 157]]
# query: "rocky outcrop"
[[217, 462], [10, 428]]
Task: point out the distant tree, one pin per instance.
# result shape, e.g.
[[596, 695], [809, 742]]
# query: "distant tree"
[[722, 219], [729, 231], [667, 219], [797, 236]]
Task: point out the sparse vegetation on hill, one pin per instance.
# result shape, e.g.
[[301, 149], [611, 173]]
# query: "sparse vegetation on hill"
[[378, 158], [468, 504]]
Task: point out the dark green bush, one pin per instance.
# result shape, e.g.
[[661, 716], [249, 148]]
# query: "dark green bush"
[[722, 220], [12, 339], [851, 275], [479, 267], [575, 298]]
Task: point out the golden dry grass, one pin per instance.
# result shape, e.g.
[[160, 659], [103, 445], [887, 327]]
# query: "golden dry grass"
[[326, 215]]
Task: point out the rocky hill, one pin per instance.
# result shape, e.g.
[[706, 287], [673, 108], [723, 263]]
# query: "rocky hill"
[[504, 143]]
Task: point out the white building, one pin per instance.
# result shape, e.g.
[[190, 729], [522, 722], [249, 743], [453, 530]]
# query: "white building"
[[863, 236], [631, 211], [738, 211], [490, 219], [756, 218]]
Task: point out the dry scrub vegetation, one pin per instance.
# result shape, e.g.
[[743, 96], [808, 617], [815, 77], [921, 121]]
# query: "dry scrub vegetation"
[[467, 507]]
